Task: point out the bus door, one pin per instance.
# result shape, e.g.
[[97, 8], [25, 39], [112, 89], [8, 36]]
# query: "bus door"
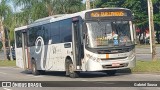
[[25, 51], [76, 42]]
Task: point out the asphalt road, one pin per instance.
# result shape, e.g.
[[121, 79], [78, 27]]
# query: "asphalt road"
[[12, 74], [144, 53], [17, 74]]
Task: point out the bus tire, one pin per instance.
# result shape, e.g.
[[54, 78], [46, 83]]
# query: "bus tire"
[[111, 72], [34, 69], [70, 69]]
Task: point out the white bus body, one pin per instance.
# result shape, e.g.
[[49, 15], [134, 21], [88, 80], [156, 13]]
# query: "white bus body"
[[83, 41]]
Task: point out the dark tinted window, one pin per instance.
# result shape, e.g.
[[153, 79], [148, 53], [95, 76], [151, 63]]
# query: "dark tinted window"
[[55, 32], [18, 39], [39, 31], [32, 35], [46, 28], [66, 30]]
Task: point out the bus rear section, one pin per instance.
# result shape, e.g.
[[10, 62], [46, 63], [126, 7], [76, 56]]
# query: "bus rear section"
[[21, 49]]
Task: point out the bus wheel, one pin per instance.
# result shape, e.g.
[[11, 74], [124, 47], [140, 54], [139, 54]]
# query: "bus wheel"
[[111, 72], [71, 72], [34, 69]]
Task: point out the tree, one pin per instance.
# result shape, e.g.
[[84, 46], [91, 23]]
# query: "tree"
[[69, 6], [35, 9], [5, 10], [108, 3]]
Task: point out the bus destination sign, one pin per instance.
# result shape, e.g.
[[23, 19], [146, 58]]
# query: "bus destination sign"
[[107, 14]]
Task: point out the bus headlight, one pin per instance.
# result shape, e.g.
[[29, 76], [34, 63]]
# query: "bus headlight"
[[93, 58], [131, 55]]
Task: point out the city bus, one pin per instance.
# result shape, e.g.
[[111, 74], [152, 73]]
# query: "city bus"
[[100, 39]]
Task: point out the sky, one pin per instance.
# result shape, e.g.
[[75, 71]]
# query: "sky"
[[11, 4], [84, 1]]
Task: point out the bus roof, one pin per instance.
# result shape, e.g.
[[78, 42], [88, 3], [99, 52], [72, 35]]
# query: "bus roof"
[[82, 14], [20, 28], [55, 18], [48, 18]]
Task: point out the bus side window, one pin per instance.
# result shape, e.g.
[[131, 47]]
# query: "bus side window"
[[66, 30], [55, 32], [18, 39], [46, 36]]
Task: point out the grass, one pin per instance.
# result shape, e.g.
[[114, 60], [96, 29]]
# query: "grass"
[[147, 67], [4, 63]]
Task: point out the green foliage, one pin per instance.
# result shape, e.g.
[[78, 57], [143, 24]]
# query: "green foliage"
[[108, 3], [4, 9], [69, 6], [6, 15], [4, 63], [138, 7], [35, 9]]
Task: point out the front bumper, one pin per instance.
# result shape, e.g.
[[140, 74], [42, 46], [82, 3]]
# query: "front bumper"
[[108, 64]]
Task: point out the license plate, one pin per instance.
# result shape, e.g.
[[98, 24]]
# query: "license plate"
[[115, 64], [122, 55]]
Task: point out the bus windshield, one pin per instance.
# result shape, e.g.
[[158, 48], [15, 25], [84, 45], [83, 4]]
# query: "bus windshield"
[[102, 34]]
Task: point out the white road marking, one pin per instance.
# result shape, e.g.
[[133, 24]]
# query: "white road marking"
[[12, 68], [17, 68], [4, 67], [7, 89], [103, 82], [7, 67], [29, 75], [33, 76], [38, 76], [2, 73]]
